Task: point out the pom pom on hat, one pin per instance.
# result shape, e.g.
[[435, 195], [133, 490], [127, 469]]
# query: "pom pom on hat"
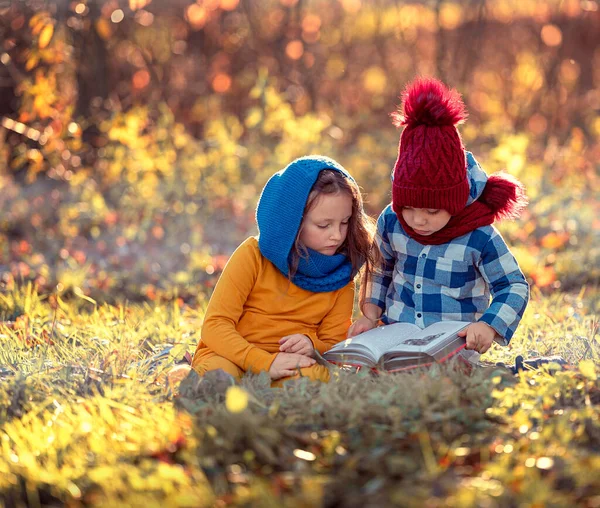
[[505, 196], [429, 102]]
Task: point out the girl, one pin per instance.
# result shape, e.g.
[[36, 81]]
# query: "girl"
[[442, 258], [291, 290]]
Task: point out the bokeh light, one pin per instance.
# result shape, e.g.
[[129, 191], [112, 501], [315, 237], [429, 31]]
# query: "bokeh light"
[[117, 16], [294, 49]]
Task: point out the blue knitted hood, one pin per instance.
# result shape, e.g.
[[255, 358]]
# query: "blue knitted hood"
[[281, 205]]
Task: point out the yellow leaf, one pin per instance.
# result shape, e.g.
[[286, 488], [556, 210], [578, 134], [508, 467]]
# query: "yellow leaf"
[[450, 16], [45, 36], [596, 124], [588, 369], [236, 399], [103, 28], [37, 22], [254, 117], [375, 80], [79, 292], [134, 5], [544, 276], [335, 67], [554, 240], [178, 351], [32, 61]]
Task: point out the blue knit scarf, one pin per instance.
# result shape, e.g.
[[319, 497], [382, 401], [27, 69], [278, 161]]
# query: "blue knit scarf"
[[320, 273]]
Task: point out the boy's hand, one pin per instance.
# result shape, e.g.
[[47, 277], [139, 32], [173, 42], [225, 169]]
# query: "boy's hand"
[[480, 336], [296, 343], [286, 364], [362, 324]]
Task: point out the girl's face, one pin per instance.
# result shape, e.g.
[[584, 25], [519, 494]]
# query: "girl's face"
[[425, 221], [325, 225]]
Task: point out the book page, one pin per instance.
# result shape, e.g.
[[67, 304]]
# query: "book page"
[[437, 335], [352, 351], [378, 340], [445, 327], [430, 339]]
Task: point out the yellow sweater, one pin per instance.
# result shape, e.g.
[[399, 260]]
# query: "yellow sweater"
[[254, 305]]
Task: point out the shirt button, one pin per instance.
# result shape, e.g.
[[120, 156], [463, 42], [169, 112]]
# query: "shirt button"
[[419, 314], [418, 286], [423, 255]]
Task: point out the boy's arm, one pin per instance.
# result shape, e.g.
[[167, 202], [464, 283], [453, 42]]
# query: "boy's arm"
[[509, 289], [372, 312], [225, 309], [381, 279], [335, 324]]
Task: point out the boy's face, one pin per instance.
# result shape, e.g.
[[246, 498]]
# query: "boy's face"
[[325, 225], [425, 221]]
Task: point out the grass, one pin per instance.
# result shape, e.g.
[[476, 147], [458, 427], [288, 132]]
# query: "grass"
[[88, 417]]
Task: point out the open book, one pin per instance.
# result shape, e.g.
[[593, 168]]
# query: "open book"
[[400, 346]]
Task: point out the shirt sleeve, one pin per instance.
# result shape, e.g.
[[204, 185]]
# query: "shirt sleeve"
[[225, 308], [508, 286], [381, 278], [334, 326]]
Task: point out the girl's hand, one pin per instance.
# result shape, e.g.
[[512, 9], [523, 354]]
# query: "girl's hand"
[[480, 336], [286, 364], [362, 324], [296, 343]]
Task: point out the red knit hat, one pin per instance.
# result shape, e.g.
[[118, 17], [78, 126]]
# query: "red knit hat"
[[431, 170]]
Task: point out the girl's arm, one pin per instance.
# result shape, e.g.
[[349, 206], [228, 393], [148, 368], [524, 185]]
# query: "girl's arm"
[[509, 289], [225, 309], [335, 324]]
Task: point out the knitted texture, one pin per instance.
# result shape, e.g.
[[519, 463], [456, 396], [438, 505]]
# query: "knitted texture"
[[497, 197], [319, 273], [430, 171], [279, 215]]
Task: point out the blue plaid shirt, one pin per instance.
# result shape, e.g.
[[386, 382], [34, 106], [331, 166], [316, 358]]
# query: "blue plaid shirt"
[[424, 284]]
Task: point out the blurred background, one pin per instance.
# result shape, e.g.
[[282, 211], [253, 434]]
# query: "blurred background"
[[136, 135]]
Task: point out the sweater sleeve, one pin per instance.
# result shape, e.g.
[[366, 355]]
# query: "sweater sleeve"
[[334, 326], [225, 308], [508, 286]]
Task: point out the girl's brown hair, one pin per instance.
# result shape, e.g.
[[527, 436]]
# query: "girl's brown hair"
[[358, 246]]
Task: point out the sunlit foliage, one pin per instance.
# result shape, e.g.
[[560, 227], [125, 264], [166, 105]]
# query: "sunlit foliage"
[[143, 131], [135, 136], [88, 416]]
